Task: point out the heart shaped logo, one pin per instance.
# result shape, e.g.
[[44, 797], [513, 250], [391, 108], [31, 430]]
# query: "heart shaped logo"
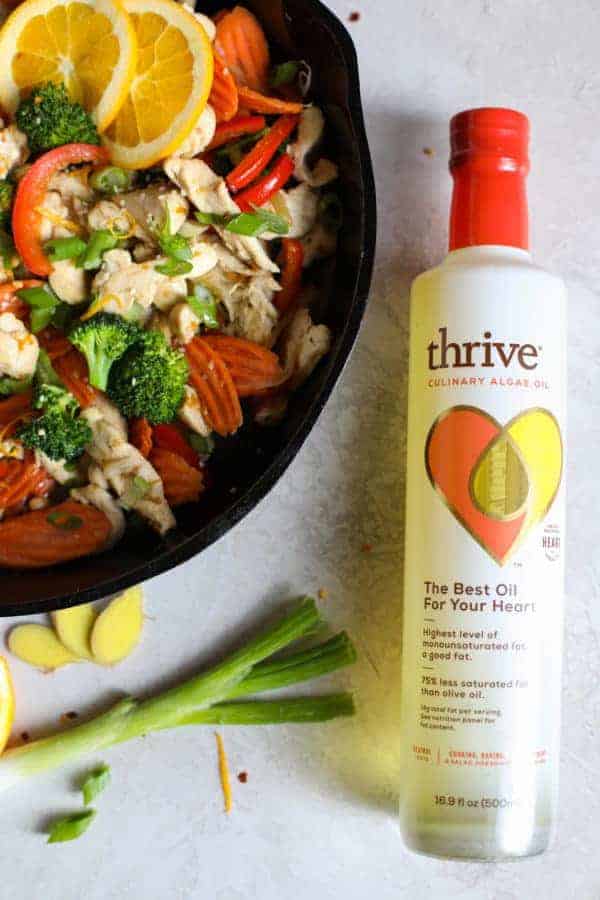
[[498, 481]]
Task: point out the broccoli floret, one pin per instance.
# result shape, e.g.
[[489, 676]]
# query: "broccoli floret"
[[6, 196], [102, 340], [149, 380], [59, 432], [50, 119]]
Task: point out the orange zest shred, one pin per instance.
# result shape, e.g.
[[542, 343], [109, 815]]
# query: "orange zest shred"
[[73, 227], [100, 303], [116, 232], [224, 774]]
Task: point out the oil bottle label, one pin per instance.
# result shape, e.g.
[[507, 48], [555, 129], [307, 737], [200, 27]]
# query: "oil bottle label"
[[484, 548]]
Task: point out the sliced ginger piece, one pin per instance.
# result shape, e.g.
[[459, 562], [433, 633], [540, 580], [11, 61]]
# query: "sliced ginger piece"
[[117, 630], [39, 646], [7, 703], [74, 627]]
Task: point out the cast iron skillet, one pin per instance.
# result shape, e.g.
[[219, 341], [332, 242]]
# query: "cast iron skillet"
[[247, 466]]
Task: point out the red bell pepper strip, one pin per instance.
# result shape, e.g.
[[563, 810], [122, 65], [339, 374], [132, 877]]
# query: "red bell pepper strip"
[[168, 437], [236, 128], [263, 189], [261, 154], [26, 220], [292, 257]]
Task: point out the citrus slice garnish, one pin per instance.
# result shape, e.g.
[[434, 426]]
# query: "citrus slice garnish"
[[89, 45], [170, 88]]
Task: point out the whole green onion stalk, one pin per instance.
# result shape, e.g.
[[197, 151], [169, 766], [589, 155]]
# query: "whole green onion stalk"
[[210, 698]]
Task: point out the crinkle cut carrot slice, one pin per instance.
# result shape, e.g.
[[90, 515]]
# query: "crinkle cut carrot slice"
[[253, 367], [53, 535], [13, 411], [260, 103], [140, 435], [212, 381], [182, 483], [22, 479], [242, 45], [224, 93]]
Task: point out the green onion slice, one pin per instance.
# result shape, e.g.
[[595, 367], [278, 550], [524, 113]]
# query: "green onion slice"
[[204, 304], [70, 827], [64, 248], [284, 73], [247, 224], [111, 180], [64, 521], [99, 243], [95, 783]]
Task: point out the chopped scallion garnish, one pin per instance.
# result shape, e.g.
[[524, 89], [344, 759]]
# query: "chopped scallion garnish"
[[203, 445], [43, 302], [176, 248], [247, 224], [99, 243], [111, 180], [64, 248], [64, 521], [95, 783], [70, 827], [204, 305], [284, 73]]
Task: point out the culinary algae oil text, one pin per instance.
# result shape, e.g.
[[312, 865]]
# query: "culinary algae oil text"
[[485, 518]]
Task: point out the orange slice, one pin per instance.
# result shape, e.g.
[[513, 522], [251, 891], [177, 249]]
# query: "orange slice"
[[170, 88], [89, 45]]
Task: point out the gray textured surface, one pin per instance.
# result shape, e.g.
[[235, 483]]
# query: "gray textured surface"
[[316, 818]]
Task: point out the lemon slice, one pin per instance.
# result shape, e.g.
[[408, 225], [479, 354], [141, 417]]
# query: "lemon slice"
[[89, 45], [170, 88], [7, 703]]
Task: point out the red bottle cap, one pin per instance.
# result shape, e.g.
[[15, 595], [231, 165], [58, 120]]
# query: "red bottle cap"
[[489, 162], [498, 138]]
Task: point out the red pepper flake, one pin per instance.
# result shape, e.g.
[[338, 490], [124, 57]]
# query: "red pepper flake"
[[354, 17], [243, 777], [367, 548]]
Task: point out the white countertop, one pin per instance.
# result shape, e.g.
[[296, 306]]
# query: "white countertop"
[[316, 819]]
